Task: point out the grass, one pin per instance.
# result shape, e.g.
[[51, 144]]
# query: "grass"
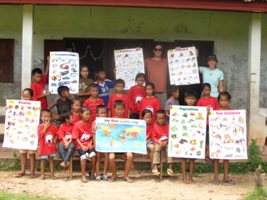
[[258, 194], [8, 196]]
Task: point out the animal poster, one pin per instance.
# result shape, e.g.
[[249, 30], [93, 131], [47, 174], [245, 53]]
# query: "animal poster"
[[228, 134], [128, 63], [187, 132], [21, 123], [120, 135], [64, 70], [183, 66]]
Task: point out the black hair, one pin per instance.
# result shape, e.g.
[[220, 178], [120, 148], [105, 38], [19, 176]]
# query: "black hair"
[[61, 89], [190, 93], [119, 81], [100, 107], [45, 111], [224, 93], [140, 75], [100, 69], [119, 103], [212, 57], [144, 112], [37, 71], [205, 85], [84, 108], [161, 112], [84, 66], [76, 100], [150, 84], [172, 89], [64, 116], [29, 90], [93, 85]]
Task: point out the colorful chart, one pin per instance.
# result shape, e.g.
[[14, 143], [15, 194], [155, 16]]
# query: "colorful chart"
[[129, 62], [64, 70], [120, 135], [228, 134], [21, 123], [187, 132], [183, 66]]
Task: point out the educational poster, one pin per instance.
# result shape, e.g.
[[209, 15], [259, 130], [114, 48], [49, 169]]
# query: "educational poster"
[[120, 135], [183, 66], [228, 134], [187, 132], [128, 63], [64, 70], [21, 123]]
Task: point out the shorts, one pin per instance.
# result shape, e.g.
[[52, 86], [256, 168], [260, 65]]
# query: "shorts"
[[150, 143], [46, 156], [27, 151], [86, 154]]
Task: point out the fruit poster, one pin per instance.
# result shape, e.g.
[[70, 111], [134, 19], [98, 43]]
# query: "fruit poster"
[[228, 134], [187, 132], [128, 63], [21, 123], [183, 66], [64, 70], [120, 135]]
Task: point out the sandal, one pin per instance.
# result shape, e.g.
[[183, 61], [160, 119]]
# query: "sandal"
[[98, 178], [19, 174], [33, 175], [215, 182], [169, 172], [42, 177], [155, 172], [84, 179], [128, 180], [230, 182], [104, 177], [111, 179]]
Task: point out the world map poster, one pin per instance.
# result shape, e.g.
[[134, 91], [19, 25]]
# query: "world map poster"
[[120, 135]]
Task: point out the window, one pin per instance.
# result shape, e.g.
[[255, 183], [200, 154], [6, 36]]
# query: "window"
[[6, 60]]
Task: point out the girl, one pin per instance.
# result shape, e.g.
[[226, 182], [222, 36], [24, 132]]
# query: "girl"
[[173, 95], [149, 102], [27, 94], [136, 94], [82, 133], [84, 83], [224, 100], [76, 106]]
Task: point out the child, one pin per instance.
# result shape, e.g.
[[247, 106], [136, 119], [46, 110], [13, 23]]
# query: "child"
[[190, 100], [147, 116], [75, 107], [136, 94], [103, 85], [27, 94], [119, 95], [119, 107], [47, 133], [224, 100], [173, 95], [66, 147], [38, 85], [93, 101], [149, 102], [160, 135], [84, 83], [101, 111], [82, 133]]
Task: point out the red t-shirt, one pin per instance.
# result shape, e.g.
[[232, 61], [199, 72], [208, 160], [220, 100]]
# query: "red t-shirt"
[[83, 132], [149, 128], [90, 103], [38, 89], [210, 102], [152, 104], [125, 98], [46, 141], [160, 132], [65, 131], [76, 118], [136, 94]]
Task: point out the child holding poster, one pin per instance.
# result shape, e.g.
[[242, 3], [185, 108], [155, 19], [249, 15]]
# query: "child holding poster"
[[173, 95]]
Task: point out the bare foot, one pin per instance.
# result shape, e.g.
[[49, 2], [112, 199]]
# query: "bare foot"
[[62, 164], [67, 164], [186, 181]]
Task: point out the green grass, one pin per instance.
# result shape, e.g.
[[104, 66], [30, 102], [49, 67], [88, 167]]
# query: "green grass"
[[8, 196], [257, 194]]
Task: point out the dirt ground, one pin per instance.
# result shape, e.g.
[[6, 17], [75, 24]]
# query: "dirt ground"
[[145, 186]]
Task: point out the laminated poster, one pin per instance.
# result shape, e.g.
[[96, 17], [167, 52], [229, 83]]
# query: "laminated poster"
[[120, 135], [183, 66], [128, 63], [21, 123], [228, 134], [64, 70], [187, 133]]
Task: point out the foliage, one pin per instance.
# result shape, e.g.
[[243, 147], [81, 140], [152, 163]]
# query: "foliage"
[[258, 194], [7, 196], [13, 166], [254, 158]]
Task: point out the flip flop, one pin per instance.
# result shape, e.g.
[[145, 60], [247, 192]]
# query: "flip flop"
[[230, 182], [128, 180], [84, 180], [215, 182], [19, 174], [33, 175], [42, 177], [111, 179], [155, 172], [169, 172]]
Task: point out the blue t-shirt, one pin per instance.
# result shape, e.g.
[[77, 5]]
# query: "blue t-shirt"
[[104, 90]]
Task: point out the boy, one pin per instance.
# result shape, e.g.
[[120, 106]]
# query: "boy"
[[103, 85], [119, 95], [38, 85], [119, 107], [160, 136], [93, 101], [190, 100]]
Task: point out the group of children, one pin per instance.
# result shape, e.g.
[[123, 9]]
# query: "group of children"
[[77, 129]]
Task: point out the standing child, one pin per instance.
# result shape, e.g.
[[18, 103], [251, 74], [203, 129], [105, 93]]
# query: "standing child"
[[149, 102], [119, 108], [27, 94], [101, 111], [136, 94], [173, 95], [47, 133], [93, 101], [224, 100], [84, 83], [76, 107], [103, 85], [160, 135], [82, 133], [119, 95]]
